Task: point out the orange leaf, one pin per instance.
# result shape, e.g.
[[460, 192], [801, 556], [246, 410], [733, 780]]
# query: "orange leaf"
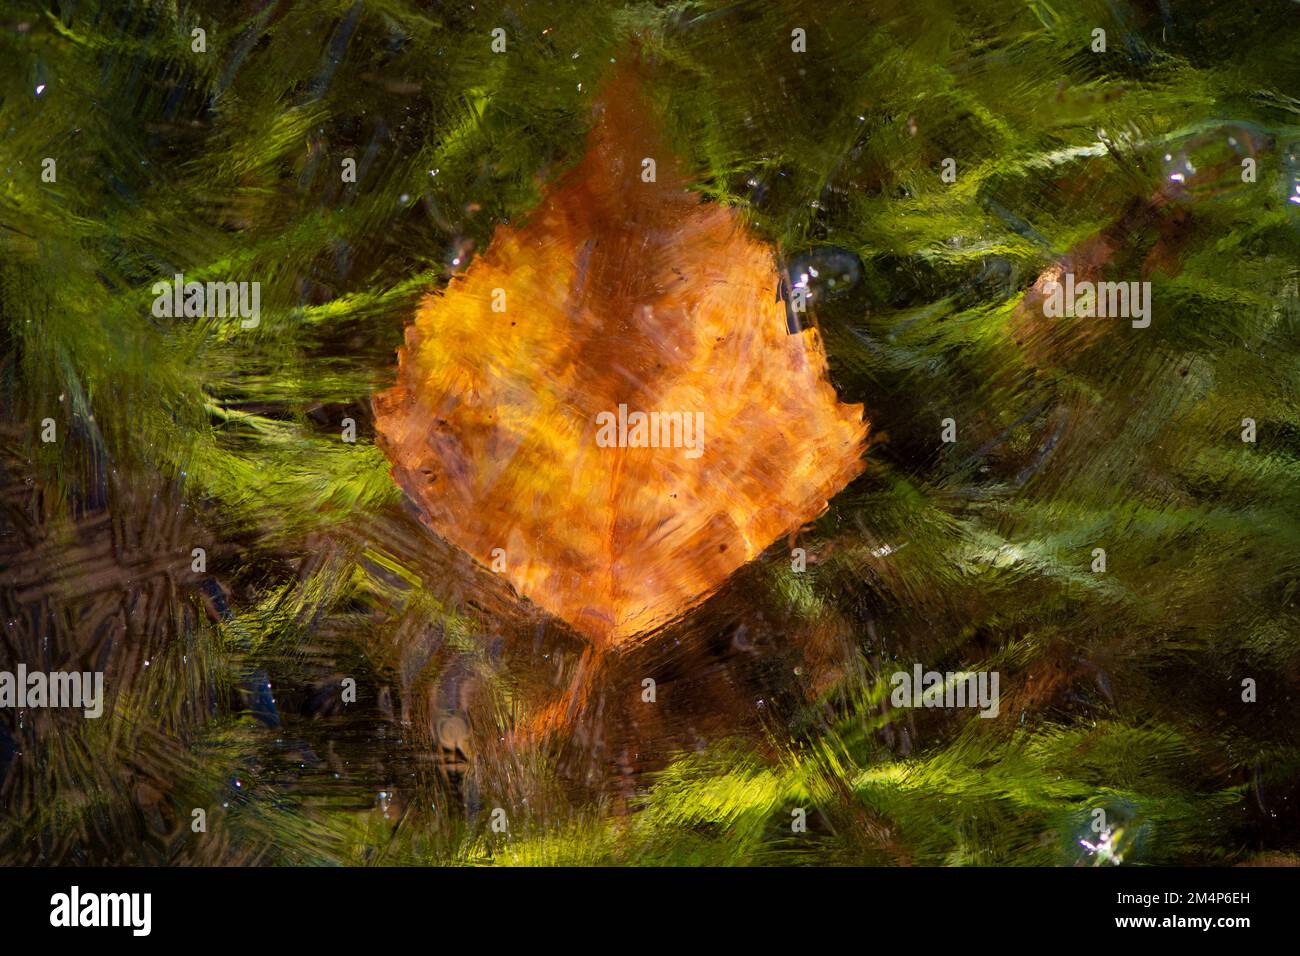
[[617, 291]]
